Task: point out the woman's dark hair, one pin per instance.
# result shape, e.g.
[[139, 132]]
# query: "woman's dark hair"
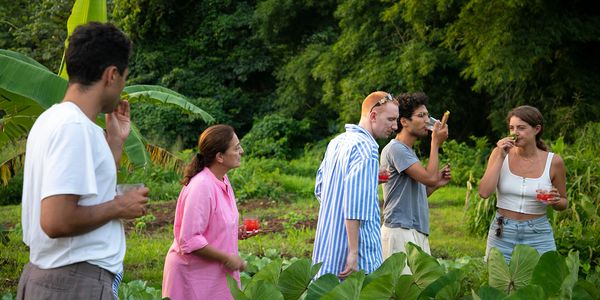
[[533, 117], [92, 48], [408, 103], [213, 140]]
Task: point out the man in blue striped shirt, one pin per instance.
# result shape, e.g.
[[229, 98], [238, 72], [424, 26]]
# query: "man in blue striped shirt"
[[348, 236]]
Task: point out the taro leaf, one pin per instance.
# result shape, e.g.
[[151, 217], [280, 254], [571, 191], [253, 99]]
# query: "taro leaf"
[[550, 273], [349, 289], [270, 273], [381, 287], [523, 261], [584, 289], [572, 261], [424, 267], [294, 280], [446, 280], [517, 274], [264, 289], [450, 291], [406, 288], [530, 292], [390, 266], [235, 290], [488, 293], [322, 286]]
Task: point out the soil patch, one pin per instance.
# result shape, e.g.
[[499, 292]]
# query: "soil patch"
[[164, 214]]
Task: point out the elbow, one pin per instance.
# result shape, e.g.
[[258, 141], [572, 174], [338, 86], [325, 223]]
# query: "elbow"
[[483, 193], [51, 229]]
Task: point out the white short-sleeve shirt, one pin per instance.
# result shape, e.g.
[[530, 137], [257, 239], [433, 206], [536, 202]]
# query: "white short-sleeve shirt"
[[67, 153]]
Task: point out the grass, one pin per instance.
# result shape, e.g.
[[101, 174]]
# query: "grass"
[[146, 251]]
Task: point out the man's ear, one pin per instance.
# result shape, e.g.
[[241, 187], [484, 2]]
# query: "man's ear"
[[404, 122], [373, 115], [110, 75]]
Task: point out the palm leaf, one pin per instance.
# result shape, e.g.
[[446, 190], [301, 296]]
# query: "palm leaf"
[[157, 94], [83, 12]]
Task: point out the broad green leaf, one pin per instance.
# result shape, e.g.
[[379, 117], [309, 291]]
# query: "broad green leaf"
[[83, 12], [488, 293], [25, 87], [572, 262], [584, 289], [406, 288], [322, 286], [382, 287], [135, 148], [522, 262], [424, 267], [518, 274], [158, 94], [391, 265], [23, 57], [529, 292], [446, 280], [550, 273], [498, 272], [264, 289], [450, 291], [294, 280], [270, 273], [235, 289], [349, 289]]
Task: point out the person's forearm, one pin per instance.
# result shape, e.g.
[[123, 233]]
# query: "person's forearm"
[[212, 253], [352, 228], [116, 147], [489, 181], [434, 160], [61, 216]]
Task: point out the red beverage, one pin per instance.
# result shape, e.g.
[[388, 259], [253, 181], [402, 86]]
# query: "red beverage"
[[383, 177], [251, 224], [543, 196]]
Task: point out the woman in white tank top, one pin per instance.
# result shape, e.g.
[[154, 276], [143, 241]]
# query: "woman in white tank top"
[[519, 166]]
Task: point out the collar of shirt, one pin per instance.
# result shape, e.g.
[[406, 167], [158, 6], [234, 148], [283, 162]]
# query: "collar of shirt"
[[222, 184], [358, 129]]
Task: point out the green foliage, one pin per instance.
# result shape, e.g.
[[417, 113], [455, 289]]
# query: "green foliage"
[[528, 276], [275, 136], [137, 290], [13, 191], [466, 161]]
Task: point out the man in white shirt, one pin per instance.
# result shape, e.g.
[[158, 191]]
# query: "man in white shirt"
[[71, 216]]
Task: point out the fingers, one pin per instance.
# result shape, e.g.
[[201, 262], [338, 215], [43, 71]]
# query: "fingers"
[[345, 273]]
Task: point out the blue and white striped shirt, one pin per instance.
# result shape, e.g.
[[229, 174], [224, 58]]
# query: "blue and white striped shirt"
[[346, 186]]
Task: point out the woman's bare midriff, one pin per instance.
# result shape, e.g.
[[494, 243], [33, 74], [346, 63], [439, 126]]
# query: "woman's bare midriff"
[[517, 215]]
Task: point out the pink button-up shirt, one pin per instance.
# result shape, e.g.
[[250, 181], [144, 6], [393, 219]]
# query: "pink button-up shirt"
[[206, 214]]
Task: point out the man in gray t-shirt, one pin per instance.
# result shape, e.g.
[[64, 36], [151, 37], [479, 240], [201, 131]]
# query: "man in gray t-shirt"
[[405, 208]]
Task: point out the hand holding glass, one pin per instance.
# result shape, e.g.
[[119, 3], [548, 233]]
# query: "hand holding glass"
[[545, 192], [128, 187]]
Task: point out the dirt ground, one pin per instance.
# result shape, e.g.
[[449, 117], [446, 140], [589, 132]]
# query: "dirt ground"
[[164, 213]]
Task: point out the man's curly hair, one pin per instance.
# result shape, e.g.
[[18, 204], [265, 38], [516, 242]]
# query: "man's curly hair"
[[408, 103]]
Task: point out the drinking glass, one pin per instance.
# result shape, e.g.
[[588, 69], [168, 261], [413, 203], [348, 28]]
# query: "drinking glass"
[[251, 223], [543, 192], [429, 124], [127, 187]]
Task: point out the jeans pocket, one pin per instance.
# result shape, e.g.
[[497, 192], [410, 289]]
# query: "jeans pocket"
[[542, 228]]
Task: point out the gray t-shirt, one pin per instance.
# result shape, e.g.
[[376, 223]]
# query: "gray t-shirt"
[[405, 199]]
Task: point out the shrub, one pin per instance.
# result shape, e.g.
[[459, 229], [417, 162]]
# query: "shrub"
[[275, 136]]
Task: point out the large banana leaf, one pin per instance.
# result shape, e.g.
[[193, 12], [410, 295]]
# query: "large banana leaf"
[[26, 89], [83, 12], [160, 95]]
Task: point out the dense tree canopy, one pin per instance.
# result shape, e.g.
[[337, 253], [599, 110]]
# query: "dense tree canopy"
[[314, 61]]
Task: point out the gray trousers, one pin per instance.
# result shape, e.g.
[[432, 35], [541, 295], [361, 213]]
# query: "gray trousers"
[[77, 281]]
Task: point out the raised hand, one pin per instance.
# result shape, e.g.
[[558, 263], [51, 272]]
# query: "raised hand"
[[118, 123]]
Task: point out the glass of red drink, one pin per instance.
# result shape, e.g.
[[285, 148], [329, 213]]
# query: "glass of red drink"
[[251, 223], [544, 192]]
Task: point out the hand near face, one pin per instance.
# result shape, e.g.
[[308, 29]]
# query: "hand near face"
[[439, 133], [118, 123]]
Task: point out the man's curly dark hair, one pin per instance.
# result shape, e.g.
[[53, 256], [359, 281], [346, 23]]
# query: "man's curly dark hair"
[[408, 103]]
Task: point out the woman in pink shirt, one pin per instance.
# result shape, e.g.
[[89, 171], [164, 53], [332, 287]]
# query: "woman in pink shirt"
[[205, 247]]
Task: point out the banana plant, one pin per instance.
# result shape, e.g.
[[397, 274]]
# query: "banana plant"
[[27, 88]]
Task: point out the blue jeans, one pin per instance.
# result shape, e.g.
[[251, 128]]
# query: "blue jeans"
[[536, 233]]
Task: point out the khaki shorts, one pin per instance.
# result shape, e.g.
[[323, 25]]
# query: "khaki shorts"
[[394, 240], [77, 281]]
